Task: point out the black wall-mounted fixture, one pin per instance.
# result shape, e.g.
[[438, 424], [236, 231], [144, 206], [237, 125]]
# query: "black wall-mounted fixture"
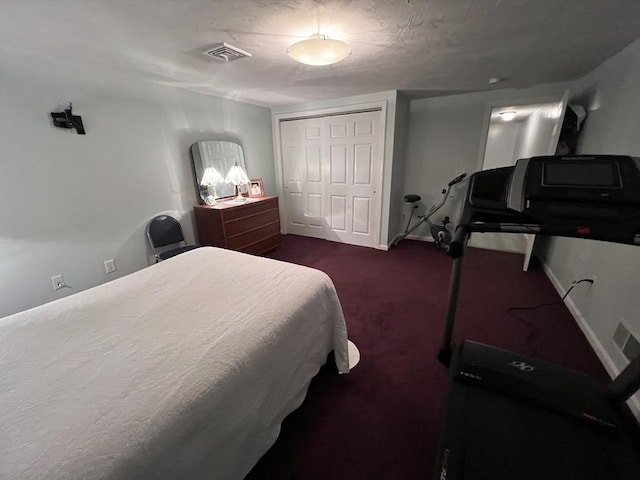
[[66, 119]]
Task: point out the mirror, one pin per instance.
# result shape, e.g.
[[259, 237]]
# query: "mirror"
[[212, 160]]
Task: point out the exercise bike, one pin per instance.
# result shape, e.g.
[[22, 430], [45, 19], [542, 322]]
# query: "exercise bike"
[[440, 233]]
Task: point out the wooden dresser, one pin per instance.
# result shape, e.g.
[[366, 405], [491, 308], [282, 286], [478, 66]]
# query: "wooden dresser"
[[251, 227]]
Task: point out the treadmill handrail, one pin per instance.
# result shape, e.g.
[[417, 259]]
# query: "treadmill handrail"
[[505, 227], [626, 383], [463, 232], [459, 240]]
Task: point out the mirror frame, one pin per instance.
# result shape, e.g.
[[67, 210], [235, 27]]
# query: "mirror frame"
[[202, 157]]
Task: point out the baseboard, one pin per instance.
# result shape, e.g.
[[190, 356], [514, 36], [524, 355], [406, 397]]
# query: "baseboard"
[[420, 238], [604, 357]]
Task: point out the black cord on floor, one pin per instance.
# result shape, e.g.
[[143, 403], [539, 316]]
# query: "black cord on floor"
[[511, 309]]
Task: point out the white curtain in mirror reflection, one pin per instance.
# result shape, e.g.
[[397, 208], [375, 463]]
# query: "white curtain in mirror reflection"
[[211, 179]]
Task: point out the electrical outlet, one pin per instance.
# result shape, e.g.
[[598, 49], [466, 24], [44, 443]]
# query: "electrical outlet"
[[110, 265], [58, 282]]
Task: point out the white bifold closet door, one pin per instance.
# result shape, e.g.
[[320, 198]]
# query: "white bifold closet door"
[[332, 177]]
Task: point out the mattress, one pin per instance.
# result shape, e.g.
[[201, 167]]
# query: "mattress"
[[185, 369]]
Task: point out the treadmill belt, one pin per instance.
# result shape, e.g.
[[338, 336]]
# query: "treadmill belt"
[[493, 437]]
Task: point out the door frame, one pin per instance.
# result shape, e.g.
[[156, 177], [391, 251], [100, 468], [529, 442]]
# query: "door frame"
[[565, 98], [490, 105], [334, 111]]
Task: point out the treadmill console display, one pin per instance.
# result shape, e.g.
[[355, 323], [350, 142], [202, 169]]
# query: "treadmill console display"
[[543, 185], [585, 196], [580, 174]]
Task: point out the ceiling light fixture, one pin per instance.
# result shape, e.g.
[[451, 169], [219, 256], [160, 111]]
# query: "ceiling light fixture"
[[508, 116], [318, 50]]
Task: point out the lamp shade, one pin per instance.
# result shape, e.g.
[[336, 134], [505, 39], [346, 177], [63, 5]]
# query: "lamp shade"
[[319, 50], [211, 177], [237, 176]]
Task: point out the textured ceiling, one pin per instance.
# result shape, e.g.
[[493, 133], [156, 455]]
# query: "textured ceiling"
[[428, 48]]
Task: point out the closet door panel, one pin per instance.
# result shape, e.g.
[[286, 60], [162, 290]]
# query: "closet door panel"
[[302, 166], [331, 168]]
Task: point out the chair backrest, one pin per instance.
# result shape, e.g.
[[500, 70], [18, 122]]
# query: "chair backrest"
[[164, 230]]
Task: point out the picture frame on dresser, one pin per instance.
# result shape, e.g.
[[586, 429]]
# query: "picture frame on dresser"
[[256, 188]]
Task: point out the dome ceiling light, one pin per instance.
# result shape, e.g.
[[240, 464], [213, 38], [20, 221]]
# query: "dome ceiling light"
[[318, 50], [508, 116]]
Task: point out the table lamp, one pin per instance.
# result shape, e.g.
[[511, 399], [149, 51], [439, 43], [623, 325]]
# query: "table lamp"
[[238, 177], [211, 178]]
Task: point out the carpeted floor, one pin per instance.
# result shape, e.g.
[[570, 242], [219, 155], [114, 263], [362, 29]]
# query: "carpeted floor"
[[382, 420]]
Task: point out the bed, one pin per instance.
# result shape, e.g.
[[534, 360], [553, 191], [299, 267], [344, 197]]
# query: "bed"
[[185, 369]]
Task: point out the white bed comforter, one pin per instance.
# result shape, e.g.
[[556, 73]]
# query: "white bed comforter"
[[182, 370]]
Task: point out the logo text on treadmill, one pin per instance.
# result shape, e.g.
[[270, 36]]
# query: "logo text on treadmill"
[[522, 366], [445, 461]]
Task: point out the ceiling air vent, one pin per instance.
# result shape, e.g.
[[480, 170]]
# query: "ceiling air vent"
[[226, 52]]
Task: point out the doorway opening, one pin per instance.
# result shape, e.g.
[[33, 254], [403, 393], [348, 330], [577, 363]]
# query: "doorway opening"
[[519, 131]]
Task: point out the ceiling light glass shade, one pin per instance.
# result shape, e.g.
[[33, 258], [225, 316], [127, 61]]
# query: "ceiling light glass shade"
[[319, 50], [211, 177], [508, 116]]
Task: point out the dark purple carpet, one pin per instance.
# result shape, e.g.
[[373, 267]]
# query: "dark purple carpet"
[[382, 420]]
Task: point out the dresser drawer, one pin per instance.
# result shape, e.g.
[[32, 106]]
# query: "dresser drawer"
[[242, 241], [252, 227], [249, 209], [262, 246], [254, 220]]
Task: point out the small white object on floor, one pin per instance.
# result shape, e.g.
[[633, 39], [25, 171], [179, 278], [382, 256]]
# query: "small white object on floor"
[[354, 354]]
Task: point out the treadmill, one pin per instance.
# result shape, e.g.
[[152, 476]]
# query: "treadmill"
[[512, 417]]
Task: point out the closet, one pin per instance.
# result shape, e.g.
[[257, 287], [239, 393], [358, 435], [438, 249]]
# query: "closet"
[[331, 170]]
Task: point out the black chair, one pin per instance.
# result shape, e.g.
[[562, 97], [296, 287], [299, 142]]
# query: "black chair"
[[164, 231]]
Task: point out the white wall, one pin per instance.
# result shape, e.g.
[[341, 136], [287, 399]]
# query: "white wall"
[[611, 94], [68, 202]]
